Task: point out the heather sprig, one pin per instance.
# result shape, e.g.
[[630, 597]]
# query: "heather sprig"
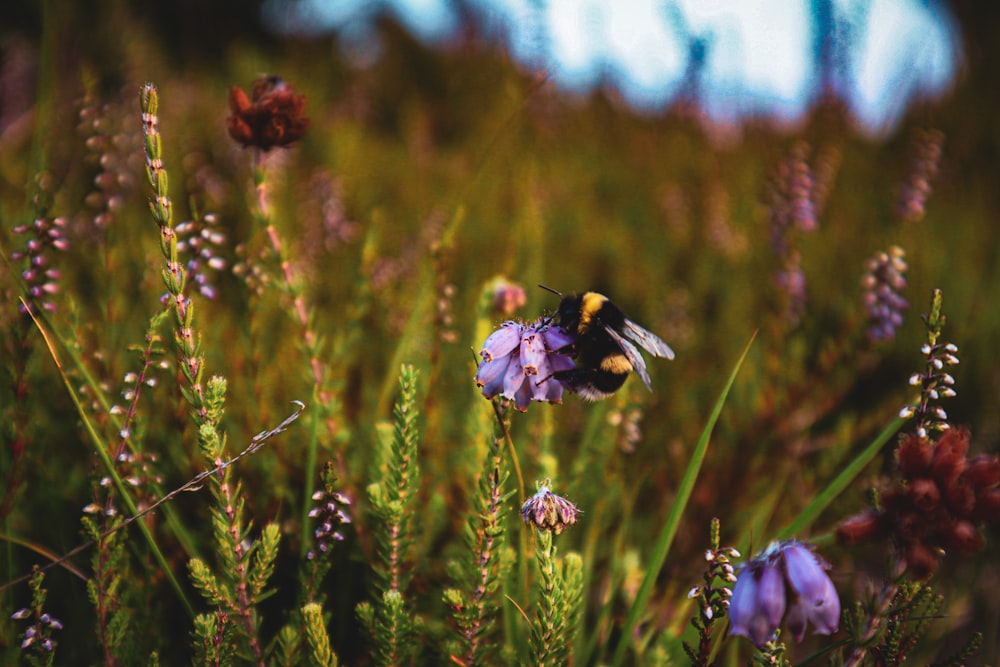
[[890, 623], [883, 282], [186, 338], [935, 381], [476, 604], [38, 643], [712, 596], [245, 565], [273, 116], [110, 585], [200, 241], [390, 621], [560, 591], [306, 628], [42, 238], [791, 212], [108, 148], [214, 642], [321, 653], [926, 151], [330, 514]]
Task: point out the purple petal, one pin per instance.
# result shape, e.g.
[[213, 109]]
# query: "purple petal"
[[771, 596], [560, 362], [502, 342], [743, 603], [796, 619], [522, 397], [547, 389], [825, 614], [556, 338], [488, 371], [491, 376], [532, 353], [755, 602], [817, 601], [805, 574], [513, 378]]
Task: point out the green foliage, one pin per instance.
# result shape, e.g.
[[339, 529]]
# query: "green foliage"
[[476, 607], [108, 587], [321, 655], [389, 623], [213, 640], [560, 593]]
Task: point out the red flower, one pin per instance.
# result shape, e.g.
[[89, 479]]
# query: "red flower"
[[938, 504], [273, 116]]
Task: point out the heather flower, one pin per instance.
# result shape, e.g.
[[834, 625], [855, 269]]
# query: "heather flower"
[[271, 116], [791, 209], [937, 504], [43, 236], [713, 596], [331, 513], [935, 381], [519, 361], [508, 297], [787, 581], [37, 641], [913, 193], [199, 240], [549, 512], [883, 281]]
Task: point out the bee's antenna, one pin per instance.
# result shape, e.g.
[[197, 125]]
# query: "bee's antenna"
[[548, 319]]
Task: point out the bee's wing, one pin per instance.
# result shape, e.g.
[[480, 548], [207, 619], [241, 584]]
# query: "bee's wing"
[[632, 354], [648, 340]]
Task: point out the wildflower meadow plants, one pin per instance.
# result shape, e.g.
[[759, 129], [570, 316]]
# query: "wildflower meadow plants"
[[284, 410]]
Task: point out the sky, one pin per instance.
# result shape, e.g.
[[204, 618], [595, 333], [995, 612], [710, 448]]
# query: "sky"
[[757, 53]]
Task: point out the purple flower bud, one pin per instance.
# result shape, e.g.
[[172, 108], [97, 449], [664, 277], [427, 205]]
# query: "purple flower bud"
[[548, 511]]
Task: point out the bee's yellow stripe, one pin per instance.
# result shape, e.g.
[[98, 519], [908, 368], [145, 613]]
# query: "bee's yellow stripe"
[[592, 302], [616, 363]]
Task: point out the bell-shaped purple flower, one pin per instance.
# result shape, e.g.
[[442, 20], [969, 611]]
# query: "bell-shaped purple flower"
[[520, 360], [816, 598], [786, 581], [758, 602]]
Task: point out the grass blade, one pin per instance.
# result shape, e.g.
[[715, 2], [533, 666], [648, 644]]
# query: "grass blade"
[[666, 538]]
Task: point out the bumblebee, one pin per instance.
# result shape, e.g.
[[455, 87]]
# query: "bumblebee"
[[603, 354]]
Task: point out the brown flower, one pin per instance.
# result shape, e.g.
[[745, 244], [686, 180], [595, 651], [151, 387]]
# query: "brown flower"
[[938, 504], [273, 116]]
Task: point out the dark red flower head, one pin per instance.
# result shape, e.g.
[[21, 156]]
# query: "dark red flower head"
[[273, 116], [937, 505]]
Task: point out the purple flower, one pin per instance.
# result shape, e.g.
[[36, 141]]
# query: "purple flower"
[[519, 361], [786, 581], [883, 281], [548, 511], [815, 598]]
